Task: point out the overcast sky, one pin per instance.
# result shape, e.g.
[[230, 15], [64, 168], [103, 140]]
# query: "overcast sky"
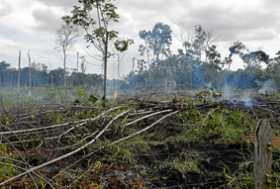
[[32, 25]]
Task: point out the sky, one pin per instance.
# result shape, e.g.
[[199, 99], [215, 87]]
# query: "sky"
[[32, 24]]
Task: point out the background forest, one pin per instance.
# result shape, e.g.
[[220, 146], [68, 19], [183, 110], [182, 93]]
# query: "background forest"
[[198, 64]]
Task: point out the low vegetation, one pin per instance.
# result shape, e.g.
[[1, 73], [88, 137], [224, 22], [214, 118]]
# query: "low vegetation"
[[182, 142]]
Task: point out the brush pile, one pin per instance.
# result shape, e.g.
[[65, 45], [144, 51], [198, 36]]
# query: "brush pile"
[[181, 143]]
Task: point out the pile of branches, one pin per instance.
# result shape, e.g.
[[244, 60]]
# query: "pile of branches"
[[56, 138]]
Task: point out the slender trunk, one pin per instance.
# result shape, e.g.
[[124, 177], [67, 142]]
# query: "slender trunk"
[[133, 64], [19, 70], [30, 71], [78, 56], [157, 58], [64, 67], [119, 61], [191, 76], [105, 65]]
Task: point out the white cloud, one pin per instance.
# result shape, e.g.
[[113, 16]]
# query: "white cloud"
[[31, 24], [5, 8], [60, 3], [47, 19]]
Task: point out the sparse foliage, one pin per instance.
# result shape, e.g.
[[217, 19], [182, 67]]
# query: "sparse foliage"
[[66, 37], [96, 18], [157, 41]]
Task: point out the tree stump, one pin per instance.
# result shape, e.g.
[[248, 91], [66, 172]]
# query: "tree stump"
[[263, 155]]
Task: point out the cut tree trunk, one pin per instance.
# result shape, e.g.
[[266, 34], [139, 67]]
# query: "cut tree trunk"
[[263, 155]]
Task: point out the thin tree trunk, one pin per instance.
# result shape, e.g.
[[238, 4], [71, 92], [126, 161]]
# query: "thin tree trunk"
[[78, 56], [64, 67], [191, 76], [119, 61], [30, 71], [19, 69], [105, 66], [133, 64]]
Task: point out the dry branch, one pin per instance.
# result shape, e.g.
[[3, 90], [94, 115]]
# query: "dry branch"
[[65, 155], [145, 129], [58, 125]]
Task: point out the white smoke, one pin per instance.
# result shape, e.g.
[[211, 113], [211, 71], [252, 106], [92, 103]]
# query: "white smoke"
[[268, 87], [236, 96]]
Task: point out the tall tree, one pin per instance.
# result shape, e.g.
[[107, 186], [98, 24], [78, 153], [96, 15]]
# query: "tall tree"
[[201, 41], [78, 57], [29, 70], [96, 17], [19, 69], [83, 64], [196, 44], [159, 40], [66, 37], [273, 68], [251, 58], [214, 57]]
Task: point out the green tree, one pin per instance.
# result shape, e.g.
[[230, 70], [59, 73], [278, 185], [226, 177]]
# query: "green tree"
[[252, 59], [56, 76], [201, 40], [214, 57], [196, 44], [96, 17], [159, 40], [273, 68]]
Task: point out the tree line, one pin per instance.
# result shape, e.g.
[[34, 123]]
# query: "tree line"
[[198, 63], [38, 75]]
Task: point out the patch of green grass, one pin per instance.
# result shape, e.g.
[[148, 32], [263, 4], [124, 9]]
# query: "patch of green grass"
[[242, 178], [185, 162], [190, 116], [216, 126], [6, 165], [116, 154]]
